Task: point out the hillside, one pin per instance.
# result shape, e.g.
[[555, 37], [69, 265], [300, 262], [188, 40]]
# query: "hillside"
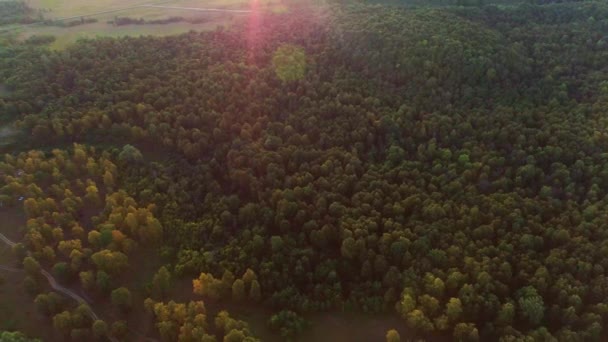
[[442, 169]]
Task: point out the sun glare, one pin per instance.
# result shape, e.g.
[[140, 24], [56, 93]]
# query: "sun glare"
[[253, 28]]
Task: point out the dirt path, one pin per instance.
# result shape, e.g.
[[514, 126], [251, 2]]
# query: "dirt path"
[[6, 240], [65, 291], [10, 269]]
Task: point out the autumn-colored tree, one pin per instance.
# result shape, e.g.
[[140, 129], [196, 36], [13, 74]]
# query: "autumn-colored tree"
[[393, 336], [109, 261]]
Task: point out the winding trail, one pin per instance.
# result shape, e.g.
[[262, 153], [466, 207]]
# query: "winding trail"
[[6, 240], [65, 291], [10, 269]]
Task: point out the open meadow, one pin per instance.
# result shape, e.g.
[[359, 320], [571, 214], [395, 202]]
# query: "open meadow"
[[63, 16]]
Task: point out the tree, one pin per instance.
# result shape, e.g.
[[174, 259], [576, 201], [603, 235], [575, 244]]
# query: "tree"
[[531, 305], [121, 298], [348, 248], [235, 335], [407, 304], [100, 329], [32, 267], [248, 277], [288, 323], [238, 290], [102, 280], [454, 309], [162, 281], [207, 285], [62, 272], [506, 315], [119, 329], [49, 304], [393, 336], [108, 180], [289, 62], [109, 261], [417, 320], [31, 285], [63, 322], [465, 332], [255, 293], [130, 155]]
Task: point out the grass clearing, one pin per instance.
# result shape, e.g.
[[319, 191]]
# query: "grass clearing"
[[55, 9], [66, 36]]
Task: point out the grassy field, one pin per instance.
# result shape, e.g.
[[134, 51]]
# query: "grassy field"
[[56, 9], [66, 36]]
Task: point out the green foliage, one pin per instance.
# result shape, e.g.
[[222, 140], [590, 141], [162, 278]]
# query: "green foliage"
[[289, 62], [100, 329], [15, 11], [15, 336], [393, 336], [238, 290], [531, 305], [122, 299], [119, 329], [130, 155], [332, 158], [162, 281], [288, 323], [465, 332]]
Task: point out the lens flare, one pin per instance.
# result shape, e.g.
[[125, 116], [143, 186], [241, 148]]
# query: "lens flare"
[[253, 29]]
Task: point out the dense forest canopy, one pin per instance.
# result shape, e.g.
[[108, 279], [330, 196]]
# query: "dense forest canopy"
[[468, 3], [448, 165]]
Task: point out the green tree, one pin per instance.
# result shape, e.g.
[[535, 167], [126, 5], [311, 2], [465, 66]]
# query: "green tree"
[[454, 309], [130, 155], [393, 336], [32, 267], [100, 329], [119, 329], [466, 332], [289, 62], [255, 292], [162, 281], [238, 290], [121, 298], [62, 322], [531, 305], [103, 281]]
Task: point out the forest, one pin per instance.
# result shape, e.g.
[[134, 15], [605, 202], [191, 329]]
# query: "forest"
[[446, 165], [16, 12]]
